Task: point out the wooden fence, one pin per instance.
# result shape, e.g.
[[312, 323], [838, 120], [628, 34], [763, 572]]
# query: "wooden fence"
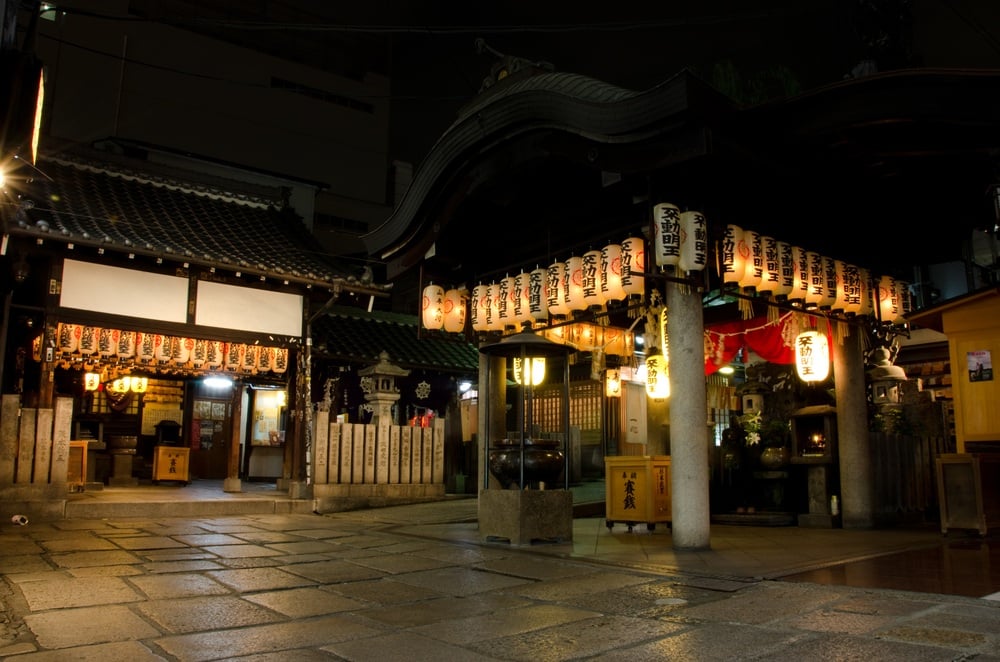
[[905, 477], [377, 460]]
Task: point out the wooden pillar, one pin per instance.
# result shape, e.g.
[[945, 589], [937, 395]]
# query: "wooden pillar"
[[232, 482]]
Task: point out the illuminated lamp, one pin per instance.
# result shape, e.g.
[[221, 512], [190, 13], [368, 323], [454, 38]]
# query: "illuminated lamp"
[[520, 299], [664, 347], [816, 279], [829, 295], [119, 386], [538, 308], [732, 258], [432, 307], [867, 306], [455, 305], [587, 336], [812, 356], [138, 384], [573, 284], [769, 267], [633, 267], [888, 299], [657, 377], [593, 298], [535, 372], [694, 242], [493, 321], [666, 234], [611, 273], [91, 381], [848, 289], [616, 341], [786, 271], [506, 291], [478, 308], [754, 264], [556, 289], [800, 276], [613, 383]]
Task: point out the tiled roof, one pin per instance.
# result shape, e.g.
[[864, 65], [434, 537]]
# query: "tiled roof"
[[81, 203], [354, 335]]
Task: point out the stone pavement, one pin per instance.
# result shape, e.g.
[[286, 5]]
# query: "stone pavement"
[[414, 583]]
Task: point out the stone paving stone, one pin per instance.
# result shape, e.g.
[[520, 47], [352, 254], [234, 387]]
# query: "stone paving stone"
[[305, 602], [77, 544], [180, 566], [251, 562], [862, 649], [64, 628], [766, 602], [241, 551], [105, 571], [483, 627], [258, 579], [149, 542], [255, 640], [385, 592], [436, 610], [461, 581], [265, 537], [20, 564], [830, 620], [12, 547], [177, 555], [657, 599], [121, 651], [303, 547], [178, 585], [208, 539], [404, 647], [206, 613], [395, 564], [82, 559], [322, 533], [537, 568], [459, 555], [334, 571], [63, 592], [579, 640], [712, 642], [567, 588]]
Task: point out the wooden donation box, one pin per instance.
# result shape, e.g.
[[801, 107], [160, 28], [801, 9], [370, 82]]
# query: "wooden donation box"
[[170, 463], [637, 489], [76, 472]]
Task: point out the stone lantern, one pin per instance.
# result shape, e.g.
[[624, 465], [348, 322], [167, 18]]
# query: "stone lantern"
[[383, 393]]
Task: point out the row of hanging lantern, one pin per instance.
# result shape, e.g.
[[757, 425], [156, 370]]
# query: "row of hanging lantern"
[[536, 298], [764, 266], [90, 343]]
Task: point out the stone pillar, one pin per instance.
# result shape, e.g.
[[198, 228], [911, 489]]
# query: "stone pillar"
[[691, 517], [854, 445]]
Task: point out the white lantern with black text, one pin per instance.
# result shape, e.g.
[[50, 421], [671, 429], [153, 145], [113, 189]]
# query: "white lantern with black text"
[[634, 267], [611, 273], [432, 307], [694, 242], [593, 298], [812, 356], [657, 378], [573, 284], [556, 289], [477, 308], [613, 383], [454, 311], [667, 234], [732, 257]]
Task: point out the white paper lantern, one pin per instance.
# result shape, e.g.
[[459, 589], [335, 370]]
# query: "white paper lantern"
[[521, 300], [556, 292], [634, 266], [770, 269], [107, 342], [812, 356], [657, 377], [591, 280], [753, 267], [573, 284], [829, 296], [817, 278], [432, 307], [506, 293], [853, 290], [694, 242], [613, 383], [611, 273], [538, 306], [786, 271], [69, 338], [666, 234], [493, 321], [478, 312], [800, 276], [455, 305], [732, 255], [145, 346]]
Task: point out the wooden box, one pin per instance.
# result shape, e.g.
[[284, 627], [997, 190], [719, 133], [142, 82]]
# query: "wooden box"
[[171, 463]]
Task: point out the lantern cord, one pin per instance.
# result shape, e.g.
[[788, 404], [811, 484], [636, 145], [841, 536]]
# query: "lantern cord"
[[746, 308]]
